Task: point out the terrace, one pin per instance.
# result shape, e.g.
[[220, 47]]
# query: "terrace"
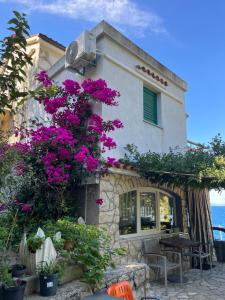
[[210, 286]]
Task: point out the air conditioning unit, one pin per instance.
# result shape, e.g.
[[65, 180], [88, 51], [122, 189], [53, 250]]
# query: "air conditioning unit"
[[81, 52]]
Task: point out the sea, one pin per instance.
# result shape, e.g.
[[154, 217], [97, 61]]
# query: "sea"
[[218, 219]]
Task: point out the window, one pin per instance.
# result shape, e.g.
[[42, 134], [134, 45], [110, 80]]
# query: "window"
[[150, 106], [128, 213], [167, 211], [146, 210]]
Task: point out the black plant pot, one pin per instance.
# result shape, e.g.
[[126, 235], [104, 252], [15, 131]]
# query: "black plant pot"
[[48, 285], [18, 270], [14, 293]]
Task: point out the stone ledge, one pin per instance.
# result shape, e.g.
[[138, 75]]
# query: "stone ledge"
[[137, 274], [74, 290]]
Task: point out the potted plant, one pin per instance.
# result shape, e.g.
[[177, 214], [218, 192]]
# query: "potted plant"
[[48, 275], [18, 270], [10, 289], [66, 227], [34, 243]]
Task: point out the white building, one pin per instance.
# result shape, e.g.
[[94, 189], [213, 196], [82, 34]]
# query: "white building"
[[152, 108], [152, 102]]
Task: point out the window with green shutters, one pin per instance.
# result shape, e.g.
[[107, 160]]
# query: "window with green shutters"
[[150, 106]]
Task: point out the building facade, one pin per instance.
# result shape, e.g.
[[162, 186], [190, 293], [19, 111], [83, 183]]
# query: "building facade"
[[152, 109]]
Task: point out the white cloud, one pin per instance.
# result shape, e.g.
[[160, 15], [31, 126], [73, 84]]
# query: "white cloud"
[[118, 12]]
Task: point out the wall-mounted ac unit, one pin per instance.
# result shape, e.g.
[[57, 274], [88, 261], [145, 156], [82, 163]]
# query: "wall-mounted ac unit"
[[81, 52]]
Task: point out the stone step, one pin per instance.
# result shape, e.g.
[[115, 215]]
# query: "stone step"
[[74, 290]]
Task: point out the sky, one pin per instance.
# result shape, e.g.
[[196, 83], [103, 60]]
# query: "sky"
[[185, 35]]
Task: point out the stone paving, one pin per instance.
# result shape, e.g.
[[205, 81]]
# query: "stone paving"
[[210, 286]]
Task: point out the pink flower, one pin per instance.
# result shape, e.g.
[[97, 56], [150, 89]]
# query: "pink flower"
[[95, 123], [49, 158], [23, 148], [117, 123], [63, 153], [51, 106], [80, 157], [107, 142], [26, 208], [2, 207], [20, 168], [98, 90], [72, 119], [42, 77], [92, 163], [112, 162], [99, 201], [84, 149], [71, 87]]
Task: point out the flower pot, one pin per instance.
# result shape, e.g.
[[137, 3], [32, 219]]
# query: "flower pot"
[[48, 285], [68, 245], [14, 293], [18, 270]]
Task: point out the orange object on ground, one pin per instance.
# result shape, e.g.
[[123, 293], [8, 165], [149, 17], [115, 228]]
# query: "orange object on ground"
[[124, 291], [121, 290]]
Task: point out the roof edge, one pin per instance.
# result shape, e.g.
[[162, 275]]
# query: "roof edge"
[[104, 28], [48, 40]]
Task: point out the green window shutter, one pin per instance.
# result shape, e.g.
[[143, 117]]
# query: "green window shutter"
[[150, 106]]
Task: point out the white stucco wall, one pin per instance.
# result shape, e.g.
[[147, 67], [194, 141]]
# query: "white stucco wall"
[[118, 69]]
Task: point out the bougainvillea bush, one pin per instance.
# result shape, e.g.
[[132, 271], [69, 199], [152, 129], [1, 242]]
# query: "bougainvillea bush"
[[62, 152]]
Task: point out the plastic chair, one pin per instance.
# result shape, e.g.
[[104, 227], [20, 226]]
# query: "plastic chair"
[[124, 291]]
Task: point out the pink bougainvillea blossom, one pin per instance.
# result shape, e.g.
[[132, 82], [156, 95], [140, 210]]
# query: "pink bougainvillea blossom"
[[20, 168], [99, 201], [63, 153], [26, 208], [95, 124], [117, 123], [92, 163], [22, 147], [82, 154], [2, 207], [42, 77], [112, 162], [107, 141], [56, 135], [71, 87], [52, 105], [75, 136], [98, 90]]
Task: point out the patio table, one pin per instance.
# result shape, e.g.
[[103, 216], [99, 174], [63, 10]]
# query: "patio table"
[[180, 244]]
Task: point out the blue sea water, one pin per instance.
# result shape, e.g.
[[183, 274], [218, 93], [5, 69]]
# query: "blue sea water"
[[218, 218]]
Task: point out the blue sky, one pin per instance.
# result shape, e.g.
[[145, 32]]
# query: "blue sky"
[[187, 36]]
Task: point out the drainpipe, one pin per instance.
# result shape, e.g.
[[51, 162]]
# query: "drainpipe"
[[85, 204]]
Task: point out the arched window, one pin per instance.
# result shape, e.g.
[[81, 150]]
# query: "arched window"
[[147, 210]]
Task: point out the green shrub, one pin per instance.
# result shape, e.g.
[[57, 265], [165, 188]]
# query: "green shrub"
[[34, 243], [92, 248]]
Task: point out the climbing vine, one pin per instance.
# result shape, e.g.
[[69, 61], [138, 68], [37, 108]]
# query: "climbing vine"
[[198, 168]]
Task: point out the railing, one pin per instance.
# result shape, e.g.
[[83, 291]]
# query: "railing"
[[220, 229]]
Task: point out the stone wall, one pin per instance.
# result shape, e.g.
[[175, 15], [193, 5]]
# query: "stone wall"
[[119, 182]]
